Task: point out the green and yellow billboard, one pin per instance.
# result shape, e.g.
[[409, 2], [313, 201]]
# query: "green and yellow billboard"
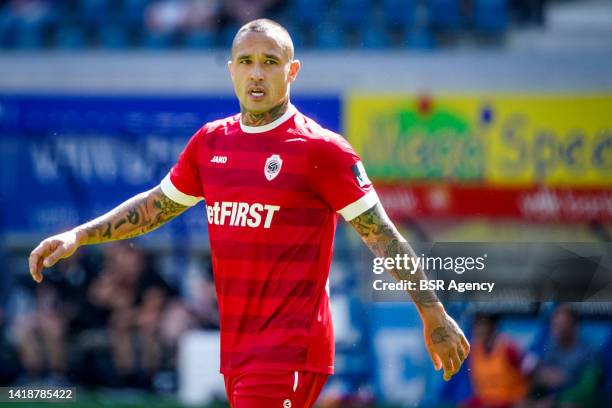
[[560, 140]]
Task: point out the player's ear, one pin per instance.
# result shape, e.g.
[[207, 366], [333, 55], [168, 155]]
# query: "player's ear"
[[294, 68], [230, 67]]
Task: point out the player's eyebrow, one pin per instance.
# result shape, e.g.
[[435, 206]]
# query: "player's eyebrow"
[[248, 56], [272, 56]]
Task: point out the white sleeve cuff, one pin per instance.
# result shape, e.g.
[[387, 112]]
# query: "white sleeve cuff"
[[367, 201], [175, 195]]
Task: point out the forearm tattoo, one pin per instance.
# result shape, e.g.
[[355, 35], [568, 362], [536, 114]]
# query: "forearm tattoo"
[[383, 239], [137, 216]]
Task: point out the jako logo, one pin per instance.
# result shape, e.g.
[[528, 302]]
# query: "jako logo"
[[241, 214], [219, 159]]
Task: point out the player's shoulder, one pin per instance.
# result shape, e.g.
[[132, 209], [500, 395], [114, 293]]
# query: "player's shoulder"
[[217, 127], [221, 125], [318, 137]]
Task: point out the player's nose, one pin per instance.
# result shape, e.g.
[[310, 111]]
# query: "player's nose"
[[256, 73]]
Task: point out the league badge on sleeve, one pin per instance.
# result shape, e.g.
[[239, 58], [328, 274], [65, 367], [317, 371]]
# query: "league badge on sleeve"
[[273, 166], [360, 174]]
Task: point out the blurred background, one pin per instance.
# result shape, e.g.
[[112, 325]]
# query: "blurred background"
[[478, 120]]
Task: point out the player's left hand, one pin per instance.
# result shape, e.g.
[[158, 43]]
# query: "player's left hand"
[[445, 342]]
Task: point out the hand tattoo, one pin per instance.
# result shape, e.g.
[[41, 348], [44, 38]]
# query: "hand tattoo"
[[439, 335]]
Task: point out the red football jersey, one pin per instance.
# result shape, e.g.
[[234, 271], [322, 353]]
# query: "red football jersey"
[[272, 196]]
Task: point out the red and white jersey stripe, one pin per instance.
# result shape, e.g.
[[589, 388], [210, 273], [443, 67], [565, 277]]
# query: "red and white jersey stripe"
[[272, 197]]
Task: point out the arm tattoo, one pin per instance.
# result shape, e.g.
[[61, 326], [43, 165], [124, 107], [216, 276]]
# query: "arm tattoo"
[[371, 224], [138, 215], [133, 217], [107, 233], [259, 119], [383, 239], [166, 209], [166, 206], [120, 223], [98, 228]]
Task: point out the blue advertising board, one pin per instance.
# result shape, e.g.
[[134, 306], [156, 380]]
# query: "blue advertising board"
[[65, 159]]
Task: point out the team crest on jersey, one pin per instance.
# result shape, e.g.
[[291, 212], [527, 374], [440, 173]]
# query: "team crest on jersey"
[[273, 166]]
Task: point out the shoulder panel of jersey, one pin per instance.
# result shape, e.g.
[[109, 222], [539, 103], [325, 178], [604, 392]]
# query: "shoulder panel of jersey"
[[221, 124], [336, 170], [182, 183]]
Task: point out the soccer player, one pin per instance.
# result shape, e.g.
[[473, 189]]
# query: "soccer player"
[[274, 181]]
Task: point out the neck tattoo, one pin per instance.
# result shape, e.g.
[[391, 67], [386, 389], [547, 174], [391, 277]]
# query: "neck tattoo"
[[263, 118]]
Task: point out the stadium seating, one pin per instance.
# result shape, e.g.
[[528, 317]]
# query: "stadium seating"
[[353, 14], [399, 13], [157, 40], [445, 14], [132, 12], [29, 35], [374, 36], [491, 15], [93, 13], [70, 37], [328, 24], [306, 13], [330, 36], [419, 38], [200, 39], [113, 37]]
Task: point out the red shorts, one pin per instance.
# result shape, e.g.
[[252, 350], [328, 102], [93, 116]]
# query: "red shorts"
[[275, 389]]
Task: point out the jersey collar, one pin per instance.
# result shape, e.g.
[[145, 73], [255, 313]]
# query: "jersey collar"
[[291, 110]]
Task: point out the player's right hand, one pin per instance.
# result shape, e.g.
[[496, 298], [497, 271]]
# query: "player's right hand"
[[51, 250]]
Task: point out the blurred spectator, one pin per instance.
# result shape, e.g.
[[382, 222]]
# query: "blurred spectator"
[[29, 11], [567, 372], [243, 11], [116, 328], [167, 16], [495, 367], [8, 361], [41, 333], [174, 16], [203, 15], [529, 12], [41, 336], [200, 294], [607, 371], [22, 22], [133, 296]]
